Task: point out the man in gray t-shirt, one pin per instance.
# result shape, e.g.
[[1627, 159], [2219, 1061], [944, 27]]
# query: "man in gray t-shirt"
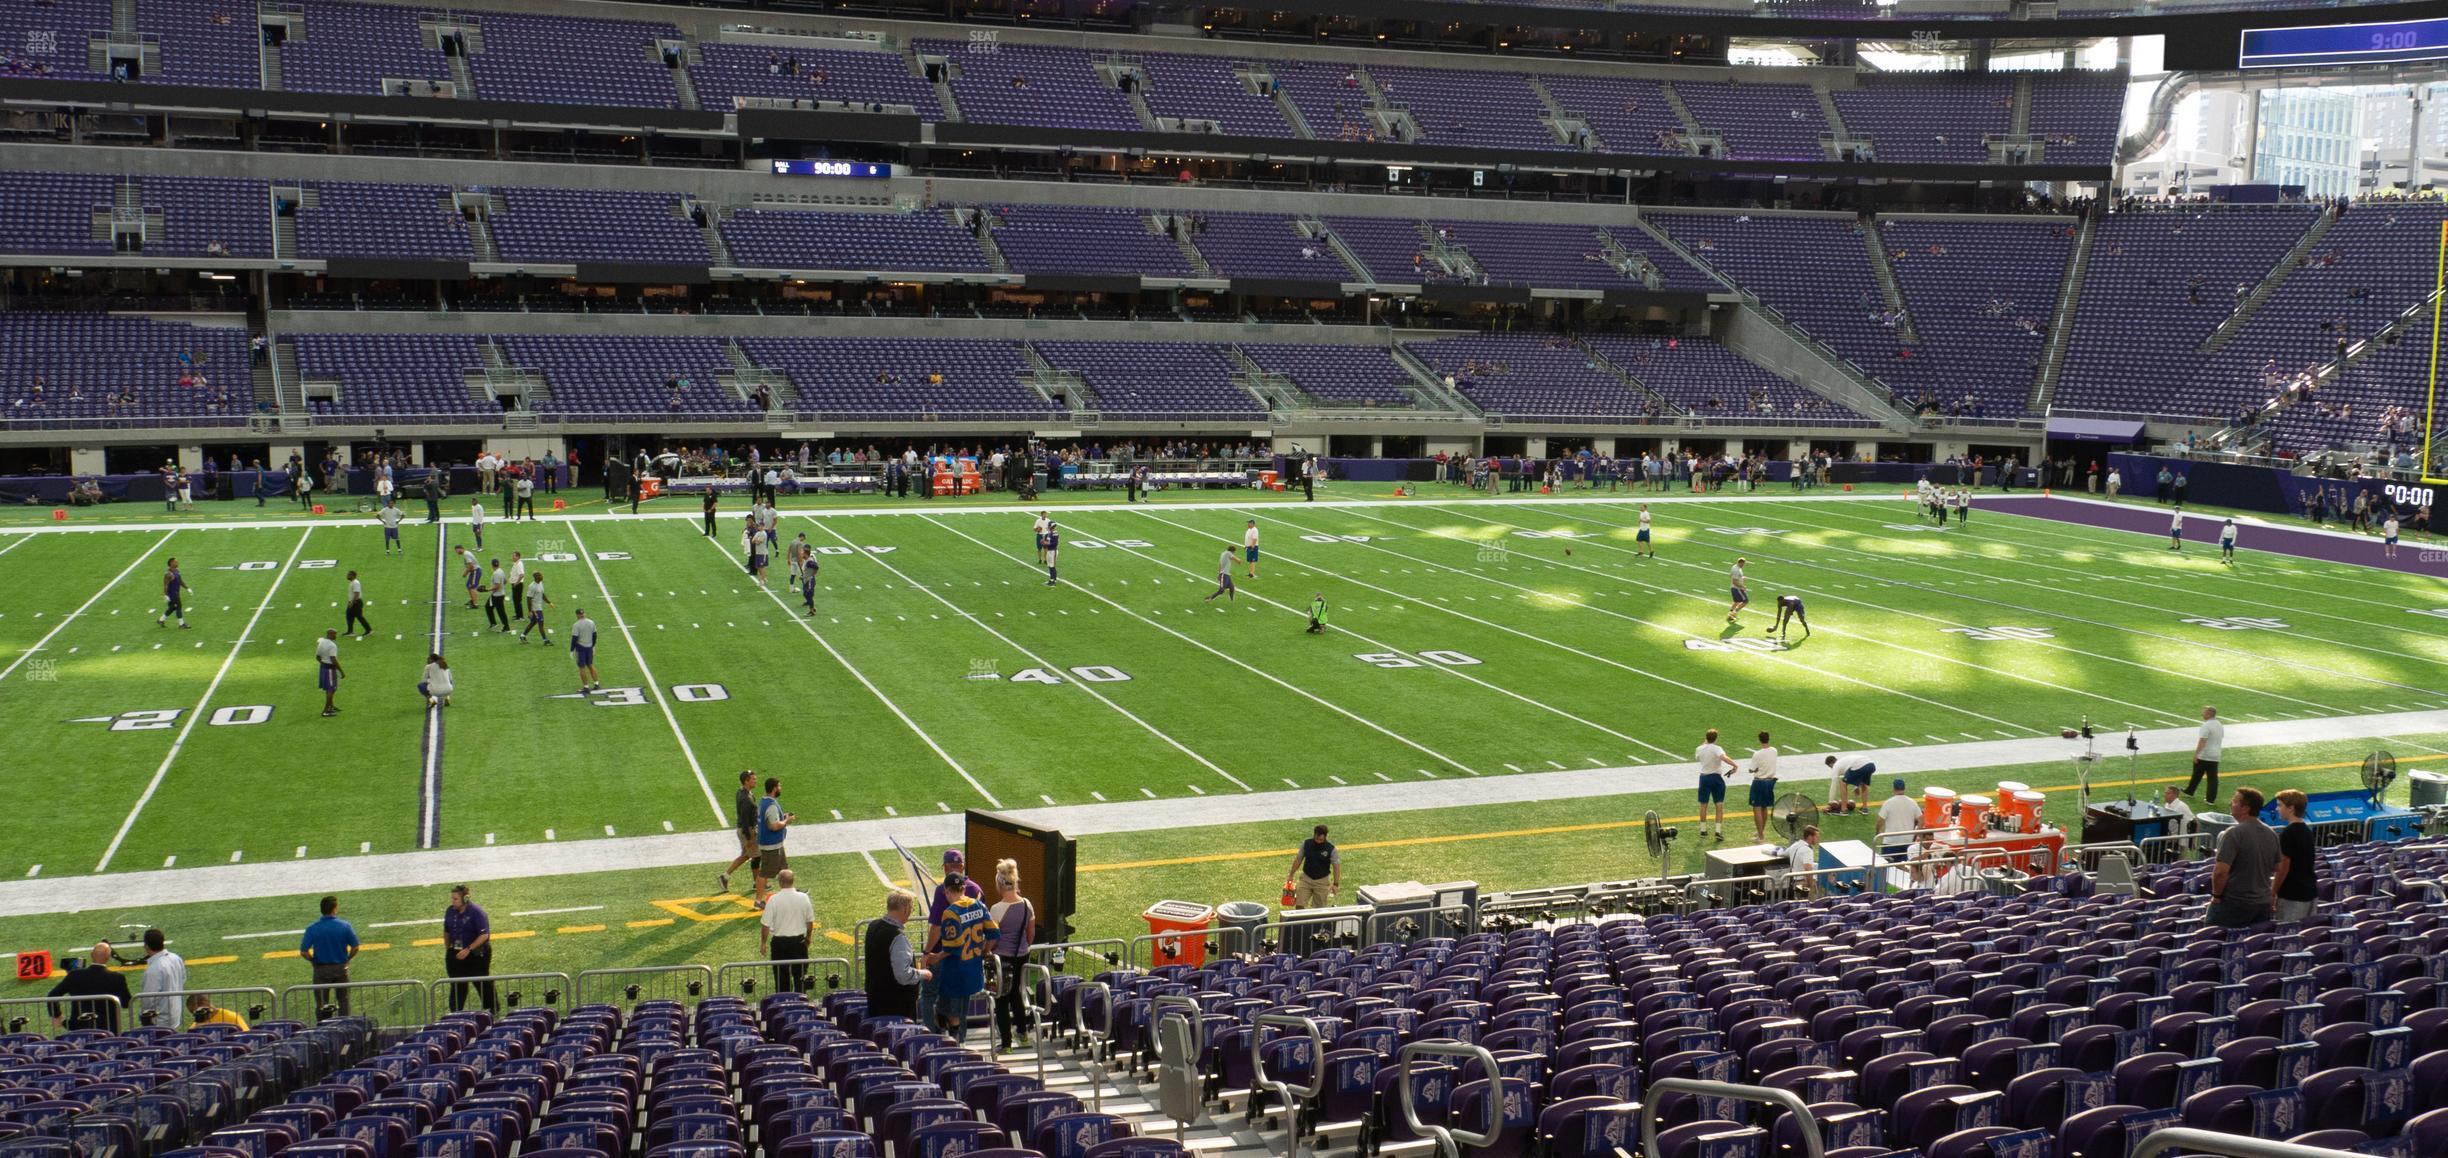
[[2247, 859]]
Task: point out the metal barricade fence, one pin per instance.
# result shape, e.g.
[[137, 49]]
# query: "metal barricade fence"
[[1157, 950], [1301, 937], [739, 978], [34, 1014], [2086, 857], [2175, 847], [1086, 958], [259, 1002], [553, 991], [858, 951], [388, 1004], [1438, 921], [625, 988]]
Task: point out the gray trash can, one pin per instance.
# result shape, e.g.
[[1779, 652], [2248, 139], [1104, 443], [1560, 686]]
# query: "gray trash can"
[[2426, 788], [1245, 916]]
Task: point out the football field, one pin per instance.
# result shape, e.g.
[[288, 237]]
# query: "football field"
[[938, 672]]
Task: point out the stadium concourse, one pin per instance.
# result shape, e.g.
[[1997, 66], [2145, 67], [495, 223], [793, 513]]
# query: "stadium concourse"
[[486, 490]]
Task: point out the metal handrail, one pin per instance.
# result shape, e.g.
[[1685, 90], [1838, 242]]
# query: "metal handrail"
[[2197, 1141], [724, 973], [1813, 1146], [1145, 946], [1120, 960], [701, 976], [568, 990], [1029, 1006], [1449, 1141], [1372, 927], [1096, 1040], [1282, 1089], [419, 1014], [71, 1014], [270, 1000]]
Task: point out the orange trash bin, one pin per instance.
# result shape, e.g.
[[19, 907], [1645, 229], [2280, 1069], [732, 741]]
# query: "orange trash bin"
[[1187, 917]]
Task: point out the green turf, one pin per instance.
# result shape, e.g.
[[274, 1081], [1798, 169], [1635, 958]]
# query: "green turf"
[[643, 917], [939, 673]]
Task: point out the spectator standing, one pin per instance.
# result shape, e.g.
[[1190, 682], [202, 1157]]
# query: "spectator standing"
[[1713, 768], [1898, 816], [2296, 881], [328, 946], [964, 935], [2207, 744], [467, 949], [783, 927], [84, 987], [956, 882], [892, 970], [773, 836], [1317, 872], [2240, 895], [1015, 921], [165, 972], [744, 821], [1763, 787]]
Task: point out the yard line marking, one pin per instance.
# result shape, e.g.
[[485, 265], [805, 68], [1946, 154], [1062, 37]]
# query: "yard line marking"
[[1100, 797], [187, 729], [429, 785], [1554, 765], [549, 912], [1226, 657], [646, 675], [1450, 671], [1287, 780], [1593, 656], [877, 869], [1949, 622], [1195, 789], [1042, 662], [276, 933], [71, 617], [1150, 793], [864, 682], [1824, 673], [2145, 633], [34, 871], [404, 924]]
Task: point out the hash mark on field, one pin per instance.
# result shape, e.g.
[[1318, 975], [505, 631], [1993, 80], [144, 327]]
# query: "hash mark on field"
[[836, 813], [1595, 762], [1941, 739], [301, 852], [1335, 778], [1291, 781], [236, 854], [1554, 765], [1046, 798], [488, 838], [1971, 736], [551, 835], [1900, 740], [1514, 767], [34, 871], [2004, 733], [1384, 777], [1198, 790], [608, 830], [1150, 793], [1099, 796], [368, 846], [667, 826], [167, 861], [1432, 775], [889, 810]]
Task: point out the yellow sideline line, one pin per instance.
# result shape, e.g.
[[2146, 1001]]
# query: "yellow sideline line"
[[1598, 826]]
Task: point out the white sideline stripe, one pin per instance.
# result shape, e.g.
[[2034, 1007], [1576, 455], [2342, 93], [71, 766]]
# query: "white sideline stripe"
[[693, 516], [645, 674], [72, 616], [1039, 660], [548, 912], [1446, 668], [1261, 673], [197, 713], [134, 890], [861, 677], [877, 869], [429, 787], [401, 924]]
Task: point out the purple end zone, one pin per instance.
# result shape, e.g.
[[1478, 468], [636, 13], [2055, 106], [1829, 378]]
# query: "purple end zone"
[[2252, 534]]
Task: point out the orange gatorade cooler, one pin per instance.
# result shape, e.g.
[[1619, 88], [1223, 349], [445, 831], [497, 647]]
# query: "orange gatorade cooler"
[[2025, 807], [1937, 807], [1973, 817], [1179, 917]]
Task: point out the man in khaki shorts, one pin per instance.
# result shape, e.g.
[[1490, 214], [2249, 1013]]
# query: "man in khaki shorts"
[[1317, 872]]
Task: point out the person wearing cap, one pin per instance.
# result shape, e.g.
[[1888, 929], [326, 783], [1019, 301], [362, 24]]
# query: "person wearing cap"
[[956, 883], [467, 949], [91, 981], [1898, 815]]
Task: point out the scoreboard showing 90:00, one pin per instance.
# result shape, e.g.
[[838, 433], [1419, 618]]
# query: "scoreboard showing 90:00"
[[2390, 42]]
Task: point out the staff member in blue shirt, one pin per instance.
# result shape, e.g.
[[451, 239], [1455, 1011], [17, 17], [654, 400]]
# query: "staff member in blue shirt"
[[467, 949], [329, 945]]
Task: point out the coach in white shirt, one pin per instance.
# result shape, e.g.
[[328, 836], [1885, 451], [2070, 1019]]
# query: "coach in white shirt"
[[789, 914], [2206, 746], [165, 972], [1897, 815], [1713, 769]]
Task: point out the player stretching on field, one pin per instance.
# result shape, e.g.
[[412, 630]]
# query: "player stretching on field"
[[1224, 583], [1789, 611], [1853, 775], [2227, 534], [469, 573], [1742, 594], [1643, 545], [582, 649], [1249, 549], [174, 587], [1049, 545]]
